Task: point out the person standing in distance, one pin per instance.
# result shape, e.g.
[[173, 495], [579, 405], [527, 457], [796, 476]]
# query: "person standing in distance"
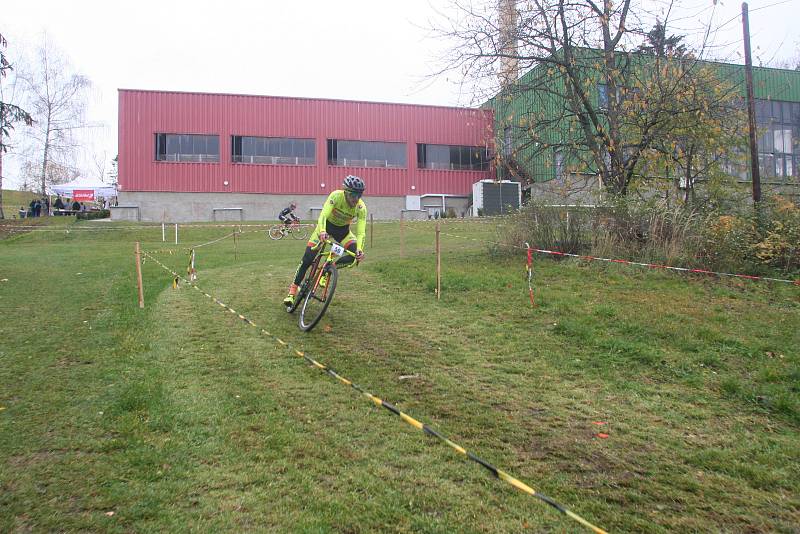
[[343, 207]]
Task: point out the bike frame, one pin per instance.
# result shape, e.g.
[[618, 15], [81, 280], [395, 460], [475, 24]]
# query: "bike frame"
[[312, 277], [291, 225], [332, 255]]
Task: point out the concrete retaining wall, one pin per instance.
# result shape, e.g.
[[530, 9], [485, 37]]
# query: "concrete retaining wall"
[[124, 213], [197, 207]]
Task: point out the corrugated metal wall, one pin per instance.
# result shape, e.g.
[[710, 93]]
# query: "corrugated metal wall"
[[142, 114], [526, 105]]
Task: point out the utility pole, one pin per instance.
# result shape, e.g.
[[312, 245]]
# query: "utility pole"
[[751, 107], [2, 123], [2, 119]]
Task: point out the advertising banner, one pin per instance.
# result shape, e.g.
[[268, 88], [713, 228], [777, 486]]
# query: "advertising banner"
[[83, 195]]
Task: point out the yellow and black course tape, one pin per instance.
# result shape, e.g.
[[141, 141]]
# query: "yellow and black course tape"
[[498, 473]]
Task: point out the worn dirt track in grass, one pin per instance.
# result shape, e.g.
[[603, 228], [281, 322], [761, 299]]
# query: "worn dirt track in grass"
[[182, 417]]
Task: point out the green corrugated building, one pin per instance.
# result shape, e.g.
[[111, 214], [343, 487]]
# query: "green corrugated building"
[[777, 94]]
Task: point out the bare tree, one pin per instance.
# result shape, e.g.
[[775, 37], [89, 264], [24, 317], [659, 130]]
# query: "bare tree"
[[30, 175], [9, 115], [793, 63], [587, 101], [99, 165], [58, 100], [113, 173]]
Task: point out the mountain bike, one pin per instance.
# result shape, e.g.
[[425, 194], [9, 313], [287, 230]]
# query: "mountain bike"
[[297, 230], [318, 285]]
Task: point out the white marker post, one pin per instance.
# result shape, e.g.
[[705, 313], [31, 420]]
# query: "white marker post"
[[438, 264]]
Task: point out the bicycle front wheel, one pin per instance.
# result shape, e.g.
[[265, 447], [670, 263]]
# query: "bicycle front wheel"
[[276, 232], [318, 299], [300, 232], [305, 285]]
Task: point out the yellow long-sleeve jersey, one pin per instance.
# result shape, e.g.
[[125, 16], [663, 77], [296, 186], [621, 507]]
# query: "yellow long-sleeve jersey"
[[338, 212]]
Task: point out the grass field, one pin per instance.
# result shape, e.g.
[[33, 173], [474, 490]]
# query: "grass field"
[[181, 417], [13, 200]]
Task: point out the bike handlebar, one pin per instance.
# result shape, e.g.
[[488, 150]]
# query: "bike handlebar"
[[331, 242]]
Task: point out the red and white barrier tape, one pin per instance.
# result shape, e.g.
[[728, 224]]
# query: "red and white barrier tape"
[[669, 267], [214, 241], [629, 262]]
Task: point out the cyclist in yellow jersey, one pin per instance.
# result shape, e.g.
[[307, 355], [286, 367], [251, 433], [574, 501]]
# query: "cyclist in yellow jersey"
[[342, 208]]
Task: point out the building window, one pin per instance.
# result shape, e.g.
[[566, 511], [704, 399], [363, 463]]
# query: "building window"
[[452, 157], [272, 150], [602, 96], [185, 147], [779, 143], [366, 154], [508, 146], [632, 95], [558, 163]]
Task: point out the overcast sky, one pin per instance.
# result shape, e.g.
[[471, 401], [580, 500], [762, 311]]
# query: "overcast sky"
[[373, 50]]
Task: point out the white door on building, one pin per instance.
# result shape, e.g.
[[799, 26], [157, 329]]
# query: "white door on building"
[[412, 202]]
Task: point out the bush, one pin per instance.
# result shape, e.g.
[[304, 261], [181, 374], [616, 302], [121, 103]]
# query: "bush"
[[89, 215], [651, 230], [561, 229], [738, 239], [767, 238]]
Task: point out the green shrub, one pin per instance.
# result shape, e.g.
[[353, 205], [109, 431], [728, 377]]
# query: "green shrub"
[[780, 245], [89, 215], [713, 236], [769, 237], [563, 229]]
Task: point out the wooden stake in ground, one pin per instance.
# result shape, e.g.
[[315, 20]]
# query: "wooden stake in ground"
[[371, 231], [529, 269], [438, 264], [139, 275], [176, 233], [163, 232], [235, 249]]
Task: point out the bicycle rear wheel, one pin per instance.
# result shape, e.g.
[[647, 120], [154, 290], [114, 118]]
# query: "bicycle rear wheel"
[[300, 232], [318, 299], [276, 232]]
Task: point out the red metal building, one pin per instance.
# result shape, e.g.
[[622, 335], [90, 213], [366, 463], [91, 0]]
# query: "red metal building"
[[193, 156]]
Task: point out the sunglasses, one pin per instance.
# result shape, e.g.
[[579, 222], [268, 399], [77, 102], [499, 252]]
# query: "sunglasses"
[[353, 194]]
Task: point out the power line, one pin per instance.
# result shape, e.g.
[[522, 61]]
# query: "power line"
[[771, 5], [736, 16]]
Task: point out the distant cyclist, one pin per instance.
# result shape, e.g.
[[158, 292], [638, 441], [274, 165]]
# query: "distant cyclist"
[[342, 208], [287, 216]]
